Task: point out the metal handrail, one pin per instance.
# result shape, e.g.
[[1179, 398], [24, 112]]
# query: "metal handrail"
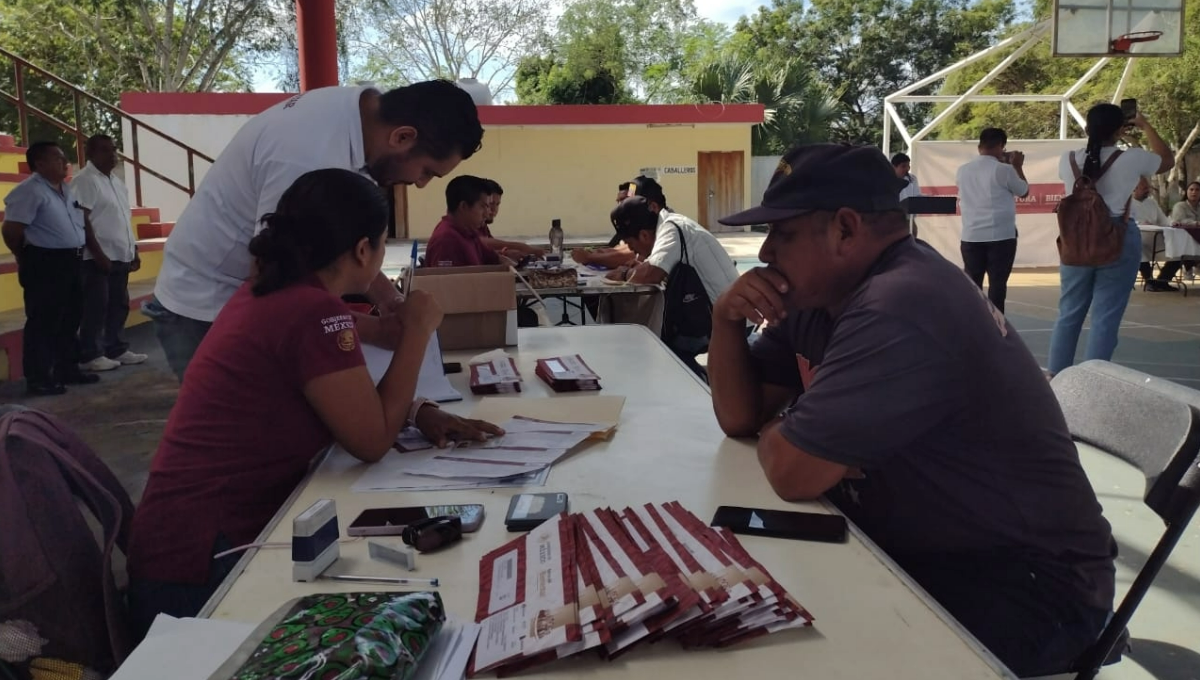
[[79, 95]]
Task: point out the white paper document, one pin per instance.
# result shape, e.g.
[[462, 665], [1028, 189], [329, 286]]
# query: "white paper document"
[[449, 652], [390, 474], [432, 382], [193, 649], [527, 445]]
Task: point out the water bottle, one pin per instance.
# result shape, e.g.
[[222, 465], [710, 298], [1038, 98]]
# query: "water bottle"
[[556, 240]]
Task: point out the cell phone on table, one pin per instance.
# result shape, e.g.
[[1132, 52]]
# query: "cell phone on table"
[[391, 521], [800, 526], [1129, 108]]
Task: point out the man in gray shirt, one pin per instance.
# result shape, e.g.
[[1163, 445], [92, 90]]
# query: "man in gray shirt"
[[866, 387]]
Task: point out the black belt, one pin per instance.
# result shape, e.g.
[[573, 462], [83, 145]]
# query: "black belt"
[[74, 252]]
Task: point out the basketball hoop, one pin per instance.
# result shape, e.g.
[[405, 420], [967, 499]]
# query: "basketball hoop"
[[1122, 44]]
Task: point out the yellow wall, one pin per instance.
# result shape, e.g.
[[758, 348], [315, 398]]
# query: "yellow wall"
[[572, 173]]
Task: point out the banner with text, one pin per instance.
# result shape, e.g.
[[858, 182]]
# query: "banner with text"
[[936, 164]]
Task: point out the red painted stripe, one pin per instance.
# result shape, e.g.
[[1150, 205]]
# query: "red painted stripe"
[[14, 177], [1042, 199], [241, 103]]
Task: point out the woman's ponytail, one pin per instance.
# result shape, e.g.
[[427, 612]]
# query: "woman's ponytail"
[[280, 258], [322, 215]]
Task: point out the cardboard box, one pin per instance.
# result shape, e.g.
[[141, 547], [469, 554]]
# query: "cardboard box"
[[480, 304]]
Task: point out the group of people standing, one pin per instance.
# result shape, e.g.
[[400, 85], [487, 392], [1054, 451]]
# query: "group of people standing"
[[74, 246], [989, 185]]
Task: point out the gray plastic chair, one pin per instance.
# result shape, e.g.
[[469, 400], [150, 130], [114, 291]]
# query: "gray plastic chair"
[[1154, 425]]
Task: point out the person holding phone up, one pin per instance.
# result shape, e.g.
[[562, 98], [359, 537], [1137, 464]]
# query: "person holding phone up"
[[885, 381], [278, 378]]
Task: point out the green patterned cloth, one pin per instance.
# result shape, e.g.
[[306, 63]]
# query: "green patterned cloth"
[[347, 636]]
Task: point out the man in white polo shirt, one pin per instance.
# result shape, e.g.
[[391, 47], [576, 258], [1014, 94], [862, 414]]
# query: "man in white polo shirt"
[[409, 136], [666, 241], [105, 201], [987, 187]]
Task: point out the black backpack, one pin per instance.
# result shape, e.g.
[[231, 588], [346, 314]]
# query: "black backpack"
[[687, 311]]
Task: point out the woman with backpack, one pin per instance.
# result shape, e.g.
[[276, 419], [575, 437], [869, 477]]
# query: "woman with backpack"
[[1102, 286]]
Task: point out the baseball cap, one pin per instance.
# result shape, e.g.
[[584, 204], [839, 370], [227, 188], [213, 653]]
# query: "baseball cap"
[[648, 187], [633, 215], [825, 177]]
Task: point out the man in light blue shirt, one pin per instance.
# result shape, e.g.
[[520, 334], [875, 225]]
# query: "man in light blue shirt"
[[45, 229]]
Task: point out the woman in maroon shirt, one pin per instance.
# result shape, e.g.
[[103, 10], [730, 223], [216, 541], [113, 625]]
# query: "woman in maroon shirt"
[[278, 378]]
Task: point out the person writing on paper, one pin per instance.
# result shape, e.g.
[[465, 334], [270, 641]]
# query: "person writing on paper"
[[278, 378], [617, 254], [888, 382]]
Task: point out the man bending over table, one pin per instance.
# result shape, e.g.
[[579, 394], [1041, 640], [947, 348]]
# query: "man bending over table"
[[887, 381]]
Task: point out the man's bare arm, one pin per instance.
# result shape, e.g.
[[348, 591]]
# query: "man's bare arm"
[[14, 237], [795, 474]]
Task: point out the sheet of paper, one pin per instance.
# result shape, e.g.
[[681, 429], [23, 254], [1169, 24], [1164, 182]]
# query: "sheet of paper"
[[192, 648], [527, 445], [562, 409], [432, 382], [390, 474], [449, 652]]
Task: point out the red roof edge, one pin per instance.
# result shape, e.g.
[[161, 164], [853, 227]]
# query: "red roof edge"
[[248, 104]]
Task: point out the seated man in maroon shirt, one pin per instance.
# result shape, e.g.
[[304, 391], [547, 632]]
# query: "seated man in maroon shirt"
[[888, 382], [457, 240]]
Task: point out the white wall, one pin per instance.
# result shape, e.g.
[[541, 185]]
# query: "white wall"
[[207, 134], [936, 163], [761, 169]]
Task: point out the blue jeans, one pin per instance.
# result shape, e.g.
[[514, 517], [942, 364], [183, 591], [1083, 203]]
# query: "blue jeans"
[[1105, 290], [178, 335]]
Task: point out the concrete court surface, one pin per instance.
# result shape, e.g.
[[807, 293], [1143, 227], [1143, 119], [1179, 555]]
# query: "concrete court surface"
[[122, 417]]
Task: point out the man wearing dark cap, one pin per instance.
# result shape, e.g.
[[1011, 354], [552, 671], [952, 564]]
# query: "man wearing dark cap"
[[888, 382]]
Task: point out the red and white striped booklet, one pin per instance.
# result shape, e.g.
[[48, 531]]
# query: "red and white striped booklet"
[[498, 376], [606, 581], [528, 604]]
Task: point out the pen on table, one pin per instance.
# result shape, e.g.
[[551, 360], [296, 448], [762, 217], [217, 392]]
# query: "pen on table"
[[412, 268], [432, 582]]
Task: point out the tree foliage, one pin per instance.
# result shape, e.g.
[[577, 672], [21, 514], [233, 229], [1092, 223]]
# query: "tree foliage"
[[1167, 90], [612, 52], [405, 41], [864, 50], [108, 47], [797, 108]]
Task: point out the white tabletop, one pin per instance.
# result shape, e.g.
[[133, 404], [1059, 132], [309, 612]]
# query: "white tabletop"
[[1177, 243], [870, 621]]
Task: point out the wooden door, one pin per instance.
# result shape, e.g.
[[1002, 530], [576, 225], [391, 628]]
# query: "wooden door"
[[720, 183], [400, 216]]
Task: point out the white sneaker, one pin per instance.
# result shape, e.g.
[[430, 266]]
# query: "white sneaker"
[[100, 363], [130, 358]]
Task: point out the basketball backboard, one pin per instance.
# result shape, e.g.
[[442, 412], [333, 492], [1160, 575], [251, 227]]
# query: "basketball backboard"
[[1115, 28]]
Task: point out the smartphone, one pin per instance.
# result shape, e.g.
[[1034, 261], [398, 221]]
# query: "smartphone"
[[391, 521], [1129, 108], [800, 526], [451, 367]]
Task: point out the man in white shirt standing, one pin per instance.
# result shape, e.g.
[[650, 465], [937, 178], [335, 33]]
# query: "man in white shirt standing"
[[902, 165], [105, 202], [409, 136], [987, 187]]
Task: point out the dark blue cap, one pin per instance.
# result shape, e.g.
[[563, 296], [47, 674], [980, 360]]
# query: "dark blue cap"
[[825, 177]]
